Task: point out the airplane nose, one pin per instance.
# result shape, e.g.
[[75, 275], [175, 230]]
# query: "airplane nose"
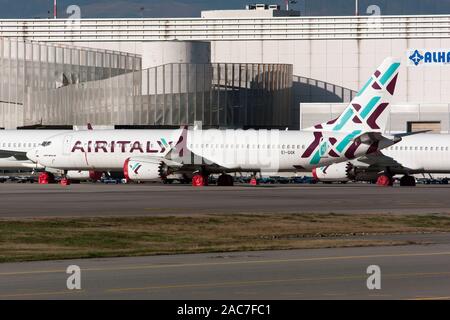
[[33, 155]]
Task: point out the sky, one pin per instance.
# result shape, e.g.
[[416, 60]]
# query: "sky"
[[192, 8]]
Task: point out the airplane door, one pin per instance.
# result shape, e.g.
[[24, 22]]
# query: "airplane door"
[[67, 145]]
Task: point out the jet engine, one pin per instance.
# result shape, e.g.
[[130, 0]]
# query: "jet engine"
[[142, 169], [340, 172], [346, 171]]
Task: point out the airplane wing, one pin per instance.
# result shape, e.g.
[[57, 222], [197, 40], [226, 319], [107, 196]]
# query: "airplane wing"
[[378, 161], [20, 156]]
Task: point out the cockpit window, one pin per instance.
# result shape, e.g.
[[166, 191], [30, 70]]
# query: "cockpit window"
[[46, 143]]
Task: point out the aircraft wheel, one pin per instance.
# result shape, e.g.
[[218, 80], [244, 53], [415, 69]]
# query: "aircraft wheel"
[[46, 178], [225, 180], [65, 182], [407, 181], [254, 181], [385, 181], [199, 180]]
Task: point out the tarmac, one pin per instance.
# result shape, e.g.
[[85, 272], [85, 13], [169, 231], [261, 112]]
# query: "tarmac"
[[87, 200], [406, 272], [417, 271]]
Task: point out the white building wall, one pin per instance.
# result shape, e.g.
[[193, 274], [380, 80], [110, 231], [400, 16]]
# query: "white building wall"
[[347, 63], [315, 113], [157, 53], [330, 53]]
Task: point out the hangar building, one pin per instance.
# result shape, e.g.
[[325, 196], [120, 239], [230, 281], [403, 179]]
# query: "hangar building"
[[303, 66]]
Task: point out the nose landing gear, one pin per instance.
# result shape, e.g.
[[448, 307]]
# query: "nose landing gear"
[[46, 178]]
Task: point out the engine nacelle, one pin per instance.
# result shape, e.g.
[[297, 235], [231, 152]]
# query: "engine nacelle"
[[142, 169], [84, 175], [339, 172]]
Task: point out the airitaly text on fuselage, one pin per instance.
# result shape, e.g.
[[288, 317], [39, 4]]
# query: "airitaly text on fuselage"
[[120, 147]]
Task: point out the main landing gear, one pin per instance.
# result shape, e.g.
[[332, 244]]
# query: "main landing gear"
[[225, 180], [199, 180], [385, 180], [407, 181]]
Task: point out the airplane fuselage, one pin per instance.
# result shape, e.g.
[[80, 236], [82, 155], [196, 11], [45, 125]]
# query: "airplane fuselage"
[[422, 153], [13, 142], [229, 149]]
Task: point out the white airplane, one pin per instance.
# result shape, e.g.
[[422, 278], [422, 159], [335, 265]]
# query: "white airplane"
[[152, 154], [14, 145], [418, 154]]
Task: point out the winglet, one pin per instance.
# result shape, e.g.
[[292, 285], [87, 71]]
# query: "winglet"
[[178, 151]]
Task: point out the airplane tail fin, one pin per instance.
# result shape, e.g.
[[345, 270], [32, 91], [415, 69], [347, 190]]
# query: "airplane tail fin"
[[178, 147], [368, 111]]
